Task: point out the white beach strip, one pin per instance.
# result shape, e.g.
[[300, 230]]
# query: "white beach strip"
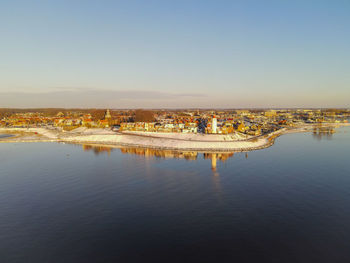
[[193, 136], [174, 141]]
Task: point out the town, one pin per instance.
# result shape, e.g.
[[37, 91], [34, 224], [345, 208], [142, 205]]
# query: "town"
[[242, 122]]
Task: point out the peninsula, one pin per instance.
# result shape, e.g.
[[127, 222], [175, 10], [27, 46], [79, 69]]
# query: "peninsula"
[[193, 131]]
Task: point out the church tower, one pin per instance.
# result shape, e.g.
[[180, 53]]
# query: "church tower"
[[108, 115]]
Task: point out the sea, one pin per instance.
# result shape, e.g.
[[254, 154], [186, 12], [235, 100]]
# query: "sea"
[[2, 136], [87, 203]]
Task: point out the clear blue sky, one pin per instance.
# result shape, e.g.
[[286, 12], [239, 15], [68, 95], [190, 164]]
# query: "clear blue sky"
[[152, 54]]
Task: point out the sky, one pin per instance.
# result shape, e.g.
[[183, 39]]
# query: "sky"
[[175, 54]]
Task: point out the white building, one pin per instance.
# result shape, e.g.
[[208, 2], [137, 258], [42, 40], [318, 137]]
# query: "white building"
[[214, 125]]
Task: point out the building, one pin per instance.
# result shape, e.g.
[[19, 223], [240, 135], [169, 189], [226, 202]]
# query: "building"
[[214, 124], [108, 115]]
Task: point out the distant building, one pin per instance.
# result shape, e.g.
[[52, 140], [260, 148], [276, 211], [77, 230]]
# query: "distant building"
[[270, 113], [60, 114], [108, 115]]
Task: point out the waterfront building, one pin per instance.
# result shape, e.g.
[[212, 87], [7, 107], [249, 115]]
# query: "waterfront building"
[[214, 125]]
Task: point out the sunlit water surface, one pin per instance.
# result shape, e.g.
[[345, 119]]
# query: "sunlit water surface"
[[73, 203]]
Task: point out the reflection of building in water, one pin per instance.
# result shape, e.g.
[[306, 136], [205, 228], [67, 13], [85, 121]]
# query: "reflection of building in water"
[[320, 133], [217, 156], [166, 154], [147, 152], [97, 149], [188, 155], [213, 162]]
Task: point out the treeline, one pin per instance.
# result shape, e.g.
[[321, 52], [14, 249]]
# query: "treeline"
[[144, 116], [96, 114], [51, 112], [46, 111]]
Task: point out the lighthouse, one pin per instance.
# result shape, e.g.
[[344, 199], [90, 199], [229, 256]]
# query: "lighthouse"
[[214, 124]]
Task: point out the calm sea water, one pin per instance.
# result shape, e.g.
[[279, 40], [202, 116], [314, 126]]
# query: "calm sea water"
[[73, 203], [5, 135]]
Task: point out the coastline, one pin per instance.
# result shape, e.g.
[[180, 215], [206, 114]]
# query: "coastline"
[[195, 142]]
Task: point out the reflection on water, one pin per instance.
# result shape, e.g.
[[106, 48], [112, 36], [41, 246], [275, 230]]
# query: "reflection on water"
[[320, 133], [97, 149], [287, 203], [215, 157], [163, 154], [5, 136]]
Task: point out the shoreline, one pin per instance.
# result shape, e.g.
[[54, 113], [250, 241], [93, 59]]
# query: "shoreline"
[[139, 140]]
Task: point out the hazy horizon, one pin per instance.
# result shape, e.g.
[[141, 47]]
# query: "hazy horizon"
[[175, 109], [172, 55]]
